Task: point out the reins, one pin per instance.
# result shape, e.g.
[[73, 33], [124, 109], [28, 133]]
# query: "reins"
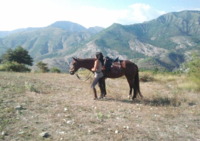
[[86, 78], [82, 78]]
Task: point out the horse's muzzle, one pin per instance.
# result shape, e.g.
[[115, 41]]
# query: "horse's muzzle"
[[71, 72]]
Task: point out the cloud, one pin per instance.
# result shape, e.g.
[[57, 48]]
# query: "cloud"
[[37, 13], [138, 13], [92, 16]]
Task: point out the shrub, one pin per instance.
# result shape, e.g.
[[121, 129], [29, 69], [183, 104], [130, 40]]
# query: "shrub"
[[194, 67], [42, 67], [14, 66], [30, 87], [147, 77], [55, 70]]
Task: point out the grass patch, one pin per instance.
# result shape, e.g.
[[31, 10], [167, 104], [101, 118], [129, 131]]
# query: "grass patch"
[[30, 87], [6, 116], [147, 77], [189, 86], [163, 101]]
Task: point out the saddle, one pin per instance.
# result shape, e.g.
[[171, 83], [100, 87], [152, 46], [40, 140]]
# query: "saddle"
[[109, 63]]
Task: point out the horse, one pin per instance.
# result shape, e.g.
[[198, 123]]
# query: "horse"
[[118, 69]]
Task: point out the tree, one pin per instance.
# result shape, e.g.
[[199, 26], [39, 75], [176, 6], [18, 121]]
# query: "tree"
[[7, 57], [42, 66], [19, 55]]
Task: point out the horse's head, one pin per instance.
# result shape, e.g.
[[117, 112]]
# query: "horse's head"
[[74, 66]]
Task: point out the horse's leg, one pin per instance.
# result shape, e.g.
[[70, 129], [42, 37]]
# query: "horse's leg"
[[135, 91], [130, 82], [137, 85]]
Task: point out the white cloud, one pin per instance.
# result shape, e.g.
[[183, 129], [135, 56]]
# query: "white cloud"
[[138, 13], [38, 13], [92, 16]]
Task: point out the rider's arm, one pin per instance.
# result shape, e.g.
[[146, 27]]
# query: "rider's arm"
[[95, 65]]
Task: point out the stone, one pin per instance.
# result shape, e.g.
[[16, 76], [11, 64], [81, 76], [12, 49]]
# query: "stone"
[[19, 107], [44, 134]]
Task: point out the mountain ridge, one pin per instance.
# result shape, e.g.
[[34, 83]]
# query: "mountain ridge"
[[167, 39]]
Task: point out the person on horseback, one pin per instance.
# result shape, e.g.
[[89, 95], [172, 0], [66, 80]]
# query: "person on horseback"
[[98, 74]]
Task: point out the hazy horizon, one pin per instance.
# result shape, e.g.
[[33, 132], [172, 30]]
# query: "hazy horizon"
[[88, 13]]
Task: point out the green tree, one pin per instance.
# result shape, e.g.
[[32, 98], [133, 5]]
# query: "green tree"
[[42, 66], [19, 55], [7, 57]]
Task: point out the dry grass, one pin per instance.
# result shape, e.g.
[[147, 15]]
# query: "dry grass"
[[63, 106]]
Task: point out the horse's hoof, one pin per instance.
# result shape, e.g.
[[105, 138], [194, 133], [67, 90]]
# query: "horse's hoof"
[[133, 98]]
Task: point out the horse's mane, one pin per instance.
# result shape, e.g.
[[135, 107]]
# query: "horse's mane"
[[85, 59]]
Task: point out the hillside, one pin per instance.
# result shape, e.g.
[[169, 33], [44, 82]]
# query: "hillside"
[[165, 42], [169, 38], [60, 105]]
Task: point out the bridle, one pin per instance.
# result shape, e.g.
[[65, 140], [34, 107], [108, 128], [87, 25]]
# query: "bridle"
[[88, 76]]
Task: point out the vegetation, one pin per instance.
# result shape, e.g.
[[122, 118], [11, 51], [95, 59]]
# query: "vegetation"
[[16, 60], [194, 67], [19, 55], [14, 66], [42, 67], [55, 70]]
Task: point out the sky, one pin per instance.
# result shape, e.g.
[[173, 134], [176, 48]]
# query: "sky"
[[15, 14]]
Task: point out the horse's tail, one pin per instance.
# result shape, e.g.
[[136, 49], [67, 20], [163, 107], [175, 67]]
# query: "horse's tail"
[[137, 84]]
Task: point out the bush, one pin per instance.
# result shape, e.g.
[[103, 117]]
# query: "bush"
[[147, 77], [42, 67], [194, 67], [55, 70], [14, 66]]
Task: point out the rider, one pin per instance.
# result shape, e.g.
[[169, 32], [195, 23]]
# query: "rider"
[[97, 69]]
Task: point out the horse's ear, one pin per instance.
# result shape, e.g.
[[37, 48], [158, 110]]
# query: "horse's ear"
[[75, 59]]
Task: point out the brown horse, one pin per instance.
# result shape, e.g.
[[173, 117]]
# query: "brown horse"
[[125, 67]]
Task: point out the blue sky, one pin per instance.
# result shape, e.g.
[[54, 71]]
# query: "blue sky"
[[16, 14]]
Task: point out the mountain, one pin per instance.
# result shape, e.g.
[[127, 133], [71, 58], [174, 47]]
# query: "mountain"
[[7, 33], [68, 26], [51, 41], [169, 39], [165, 42]]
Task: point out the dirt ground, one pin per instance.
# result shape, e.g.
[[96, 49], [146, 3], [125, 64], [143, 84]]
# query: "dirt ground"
[[59, 107]]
